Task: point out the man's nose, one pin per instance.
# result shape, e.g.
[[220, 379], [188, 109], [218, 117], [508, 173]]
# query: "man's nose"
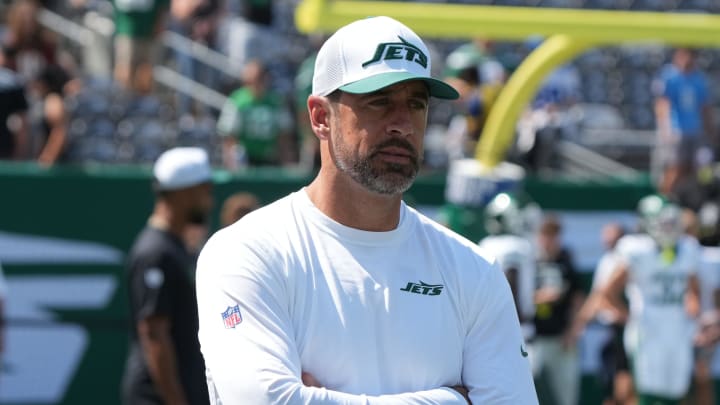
[[401, 122]]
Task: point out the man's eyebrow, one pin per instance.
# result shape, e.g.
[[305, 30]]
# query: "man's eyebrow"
[[421, 94], [424, 93], [381, 92]]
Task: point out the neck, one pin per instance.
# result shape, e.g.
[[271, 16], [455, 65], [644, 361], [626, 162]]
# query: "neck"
[[166, 218], [350, 204]]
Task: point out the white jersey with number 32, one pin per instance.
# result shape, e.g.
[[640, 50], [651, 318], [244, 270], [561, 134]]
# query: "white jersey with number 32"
[[659, 333]]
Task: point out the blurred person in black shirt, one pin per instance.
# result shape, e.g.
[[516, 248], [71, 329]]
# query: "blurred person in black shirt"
[[558, 297], [164, 363]]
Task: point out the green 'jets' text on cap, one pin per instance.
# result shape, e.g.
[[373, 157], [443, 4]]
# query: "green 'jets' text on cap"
[[368, 55]]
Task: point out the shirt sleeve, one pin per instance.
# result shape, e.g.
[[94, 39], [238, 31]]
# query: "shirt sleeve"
[[496, 369], [247, 339], [527, 289], [152, 288]]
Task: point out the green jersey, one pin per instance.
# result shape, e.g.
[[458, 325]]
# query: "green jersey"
[[138, 18], [257, 123]]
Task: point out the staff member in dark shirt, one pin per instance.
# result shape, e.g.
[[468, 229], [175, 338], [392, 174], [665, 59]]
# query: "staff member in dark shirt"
[[165, 365], [558, 297]]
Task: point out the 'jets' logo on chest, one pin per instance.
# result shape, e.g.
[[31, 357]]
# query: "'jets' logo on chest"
[[398, 50], [423, 288]]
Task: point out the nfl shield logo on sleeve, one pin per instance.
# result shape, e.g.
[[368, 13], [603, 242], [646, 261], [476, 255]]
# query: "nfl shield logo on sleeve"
[[231, 317]]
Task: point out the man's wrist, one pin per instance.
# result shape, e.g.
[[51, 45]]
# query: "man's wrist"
[[461, 392]]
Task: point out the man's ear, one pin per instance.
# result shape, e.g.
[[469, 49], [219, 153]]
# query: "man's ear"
[[319, 110]]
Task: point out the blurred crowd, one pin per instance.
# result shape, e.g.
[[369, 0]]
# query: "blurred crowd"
[[119, 81], [80, 79]]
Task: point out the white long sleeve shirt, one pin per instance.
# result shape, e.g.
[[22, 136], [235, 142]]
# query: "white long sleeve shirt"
[[376, 317]]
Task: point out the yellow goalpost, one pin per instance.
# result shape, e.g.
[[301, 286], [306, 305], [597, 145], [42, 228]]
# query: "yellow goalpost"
[[569, 32]]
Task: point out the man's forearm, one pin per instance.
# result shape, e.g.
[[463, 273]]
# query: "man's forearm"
[[162, 364], [248, 385], [322, 396], [310, 381], [662, 117], [21, 135]]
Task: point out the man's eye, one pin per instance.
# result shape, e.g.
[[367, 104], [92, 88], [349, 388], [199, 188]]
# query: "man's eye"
[[379, 102], [418, 104]]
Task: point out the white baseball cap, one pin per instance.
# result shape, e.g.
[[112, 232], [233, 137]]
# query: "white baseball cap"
[[370, 54], [182, 167]]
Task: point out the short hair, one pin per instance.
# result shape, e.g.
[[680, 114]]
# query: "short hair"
[[335, 96], [54, 77], [690, 51], [551, 226]]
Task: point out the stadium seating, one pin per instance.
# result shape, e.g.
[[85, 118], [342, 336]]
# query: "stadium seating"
[[620, 77]]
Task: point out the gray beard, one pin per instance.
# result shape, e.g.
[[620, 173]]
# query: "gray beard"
[[390, 179]]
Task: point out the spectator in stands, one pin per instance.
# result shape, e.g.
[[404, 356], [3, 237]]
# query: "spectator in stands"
[[615, 373], [51, 123], [137, 28], [237, 206], [558, 297], [256, 123], [29, 47], [164, 364], [13, 114], [684, 119], [196, 20], [309, 149], [247, 33]]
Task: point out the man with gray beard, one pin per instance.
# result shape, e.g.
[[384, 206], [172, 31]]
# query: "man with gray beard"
[[342, 294]]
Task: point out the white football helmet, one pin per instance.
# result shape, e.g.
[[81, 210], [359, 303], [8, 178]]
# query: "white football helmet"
[[661, 219], [508, 214]]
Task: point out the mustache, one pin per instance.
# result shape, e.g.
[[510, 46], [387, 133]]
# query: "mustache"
[[399, 143]]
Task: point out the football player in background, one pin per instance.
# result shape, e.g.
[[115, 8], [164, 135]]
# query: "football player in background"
[[508, 222], [658, 267]]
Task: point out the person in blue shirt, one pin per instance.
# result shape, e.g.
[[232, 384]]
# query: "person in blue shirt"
[[684, 118]]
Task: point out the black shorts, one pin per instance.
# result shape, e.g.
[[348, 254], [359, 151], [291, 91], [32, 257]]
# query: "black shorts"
[[613, 359]]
